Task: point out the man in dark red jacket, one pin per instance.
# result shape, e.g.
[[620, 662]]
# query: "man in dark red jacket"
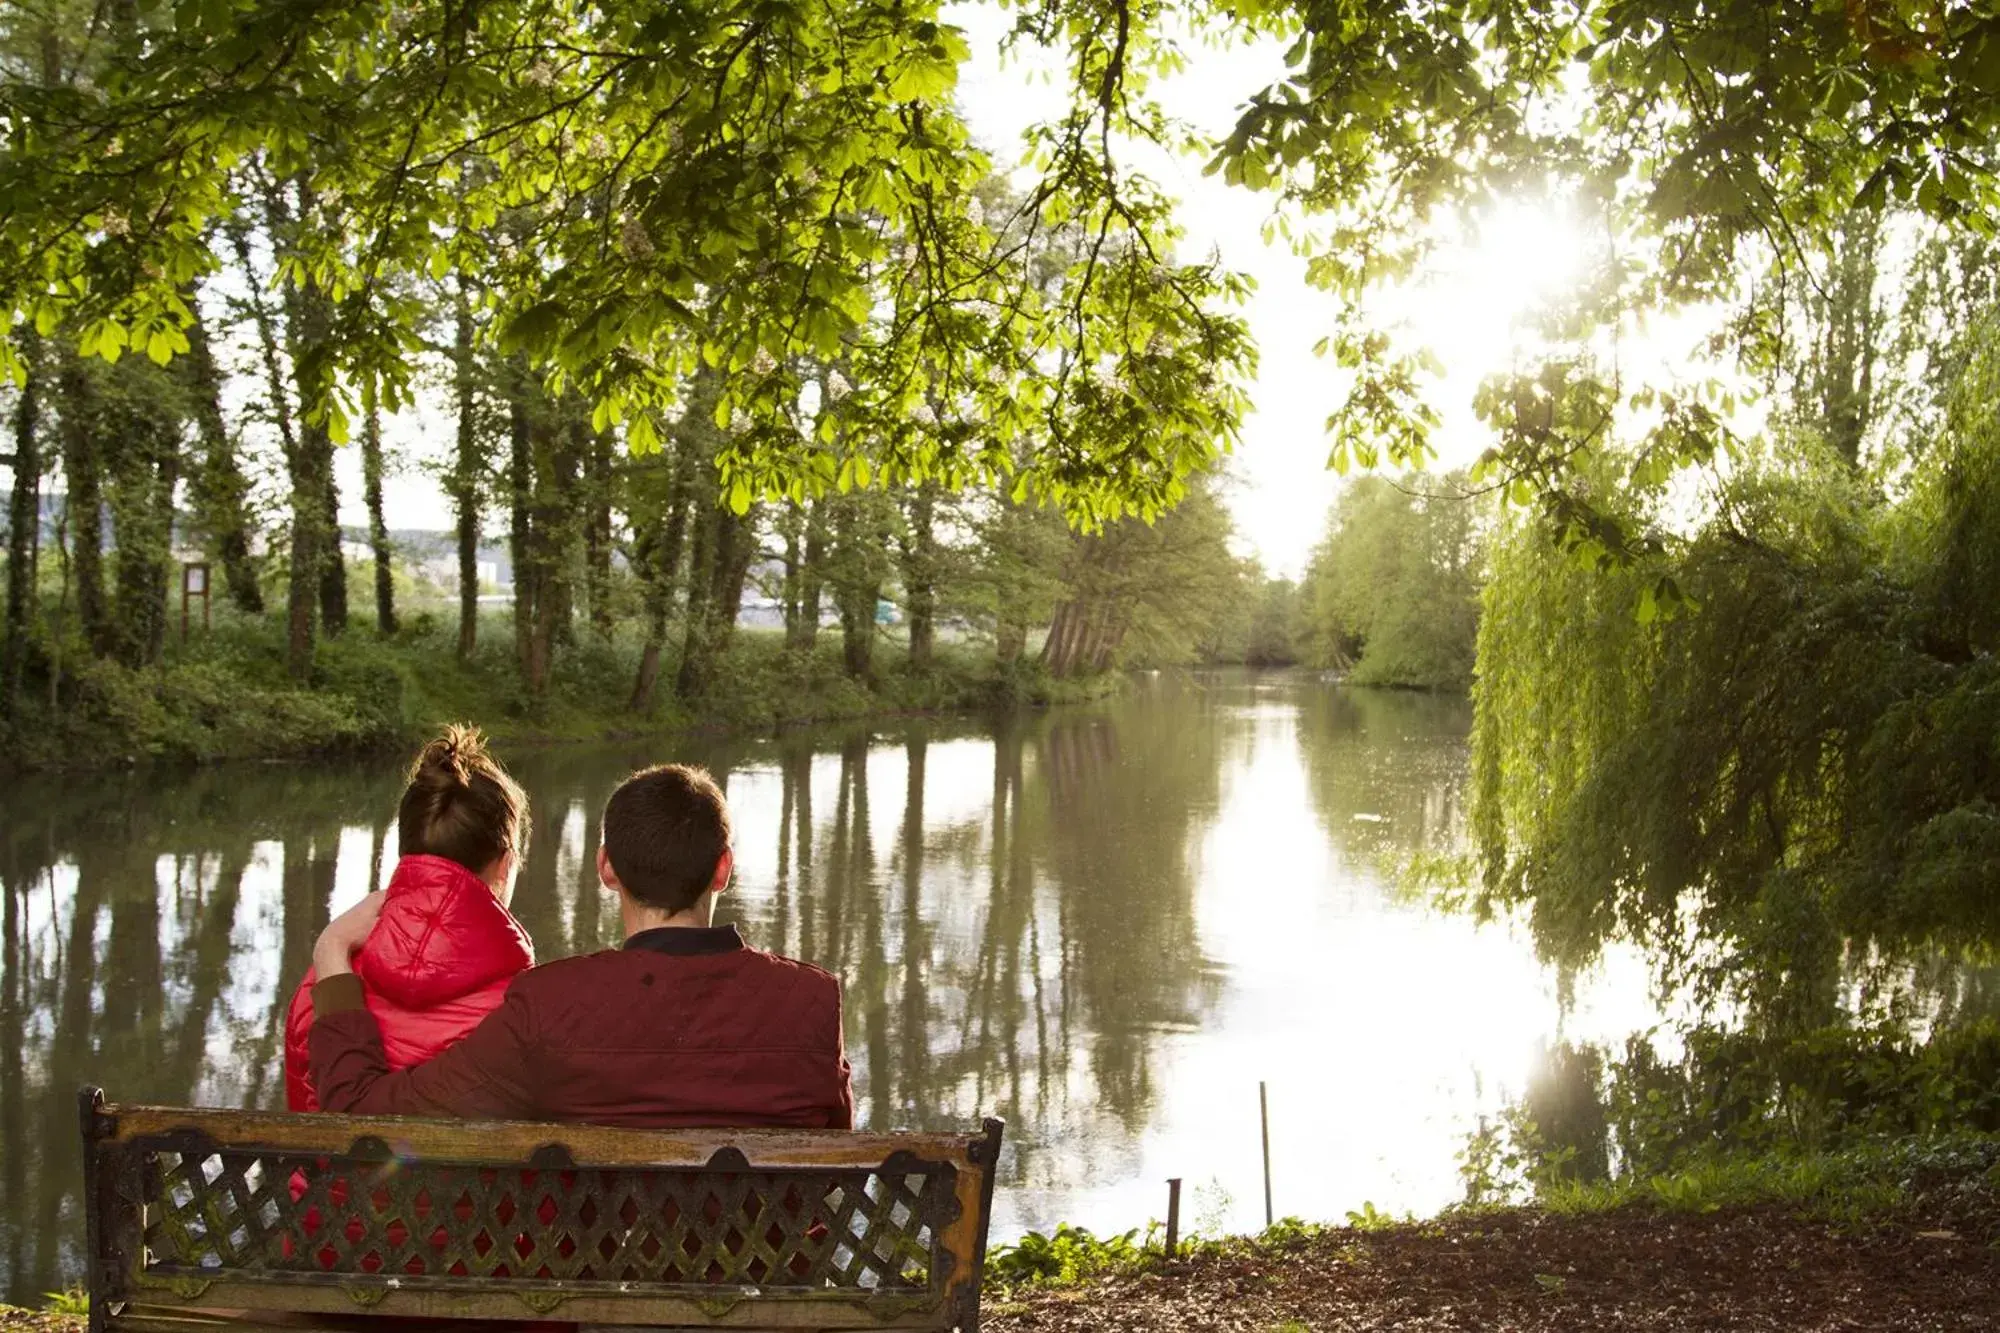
[[685, 1025]]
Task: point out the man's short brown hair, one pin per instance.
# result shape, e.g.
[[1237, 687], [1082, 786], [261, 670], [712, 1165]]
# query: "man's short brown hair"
[[665, 829]]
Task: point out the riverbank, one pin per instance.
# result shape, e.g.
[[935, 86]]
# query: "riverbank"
[[226, 695], [1536, 1272], [1894, 1234]]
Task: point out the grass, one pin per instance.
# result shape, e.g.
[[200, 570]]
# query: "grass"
[[1870, 1181], [226, 694]]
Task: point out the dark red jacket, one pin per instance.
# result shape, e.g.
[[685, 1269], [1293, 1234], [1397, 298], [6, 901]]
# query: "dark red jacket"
[[682, 1026], [438, 961]]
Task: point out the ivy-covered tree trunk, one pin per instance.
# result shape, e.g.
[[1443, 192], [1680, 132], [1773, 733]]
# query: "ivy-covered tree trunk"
[[725, 543], [700, 585], [307, 494], [308, 507], [858, 569], [142, 427], [919, 549], [544, 461], [662, 533], [467, 465], [24, 525], [333, 558], [315, 505], [378, 527], [220, 491], [83, 474]]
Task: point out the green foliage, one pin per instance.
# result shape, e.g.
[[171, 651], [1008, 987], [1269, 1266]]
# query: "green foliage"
[[74, 1301], [227, 695], [1366, 1218], [1391, 595], [1792, 776], [1694, 139], [640, 191], [1955, 1177], [1069, 1254], [1793, 1117]]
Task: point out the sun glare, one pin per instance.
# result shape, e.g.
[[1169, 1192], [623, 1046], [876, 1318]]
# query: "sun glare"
[[1471, 304]]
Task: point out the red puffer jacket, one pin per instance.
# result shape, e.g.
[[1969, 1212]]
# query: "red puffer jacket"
[[438, 961]]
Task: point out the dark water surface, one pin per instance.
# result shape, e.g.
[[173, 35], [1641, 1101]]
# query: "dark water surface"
[[1105, 925]]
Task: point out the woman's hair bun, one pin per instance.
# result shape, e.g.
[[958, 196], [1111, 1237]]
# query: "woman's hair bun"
[[451, 757], [460, 803]]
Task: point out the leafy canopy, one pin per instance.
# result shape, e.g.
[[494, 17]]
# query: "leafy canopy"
[[756, 186]]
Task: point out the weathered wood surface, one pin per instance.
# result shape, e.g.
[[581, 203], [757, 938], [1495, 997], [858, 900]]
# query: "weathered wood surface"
[[287, 1217]]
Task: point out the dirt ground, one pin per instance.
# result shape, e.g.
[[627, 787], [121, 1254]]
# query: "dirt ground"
[[1526, 1272]]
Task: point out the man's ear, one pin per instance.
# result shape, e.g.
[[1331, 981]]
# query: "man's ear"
[[725, 865], [605, 874]]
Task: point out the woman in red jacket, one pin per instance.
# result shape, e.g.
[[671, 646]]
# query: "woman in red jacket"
[[446, 947]]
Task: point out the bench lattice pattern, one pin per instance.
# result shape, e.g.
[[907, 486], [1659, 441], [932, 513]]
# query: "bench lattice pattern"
[[211, 1212]]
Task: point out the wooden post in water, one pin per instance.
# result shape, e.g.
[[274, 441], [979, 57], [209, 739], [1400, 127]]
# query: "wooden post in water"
[[1264, 1118], [1173, 1216]]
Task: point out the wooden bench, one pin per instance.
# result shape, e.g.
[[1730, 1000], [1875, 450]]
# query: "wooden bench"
[[282, 1220]]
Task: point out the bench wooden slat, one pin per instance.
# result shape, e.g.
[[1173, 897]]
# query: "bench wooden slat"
[[325, 1216]]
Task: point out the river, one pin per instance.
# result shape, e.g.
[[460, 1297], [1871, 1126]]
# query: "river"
[[1105, 924]]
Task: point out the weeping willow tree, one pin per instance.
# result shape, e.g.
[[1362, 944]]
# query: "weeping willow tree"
[[1794, 779]]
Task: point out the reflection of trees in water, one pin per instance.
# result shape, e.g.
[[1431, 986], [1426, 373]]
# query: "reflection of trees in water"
[[120, 902], [1387, 768], [1018, 955]]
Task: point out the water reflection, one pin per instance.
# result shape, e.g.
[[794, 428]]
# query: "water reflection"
[[1105, 925]]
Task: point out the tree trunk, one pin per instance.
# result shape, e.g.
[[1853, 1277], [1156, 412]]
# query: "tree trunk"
[[333, 557], [856, 591], [378, 527], [308, 507], [545, 458], [221, 491], [83, 475], [315, 505], [597, 529], [305, 453], [658, 564], [140, 424], [464, 485], [24, 525], [712, 627], [811, 576], [1010, 639], [920, 562], [701, 580], [789, 594], [520, 482], [1064, 647]]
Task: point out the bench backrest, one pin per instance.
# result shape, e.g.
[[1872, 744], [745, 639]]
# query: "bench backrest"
[[397, 1216]]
